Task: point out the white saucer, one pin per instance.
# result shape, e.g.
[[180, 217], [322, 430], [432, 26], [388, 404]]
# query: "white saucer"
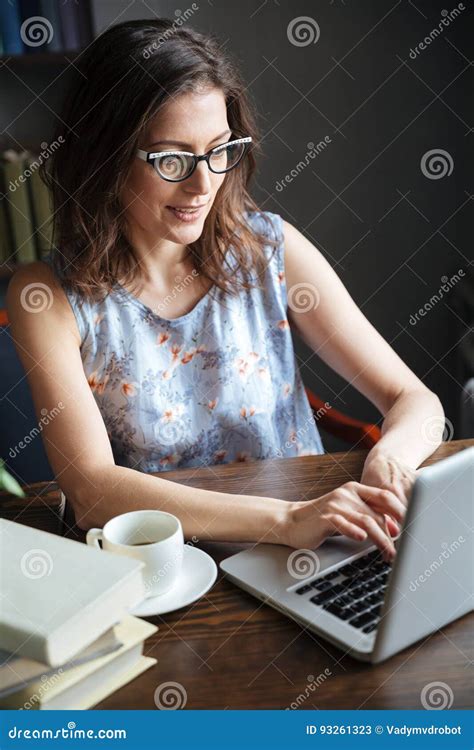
[[197, 575]]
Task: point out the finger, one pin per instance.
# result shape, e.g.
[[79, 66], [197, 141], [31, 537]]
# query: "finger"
[[341, 525], [358, 505], [392, 526], [374, 531], [398, 488], [384, 501]]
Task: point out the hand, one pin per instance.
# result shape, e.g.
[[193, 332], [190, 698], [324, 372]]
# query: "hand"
[[355, 510], [387, 472]]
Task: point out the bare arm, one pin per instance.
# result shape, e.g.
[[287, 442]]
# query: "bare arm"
[[337, 330], [76, 440], [81, 457]]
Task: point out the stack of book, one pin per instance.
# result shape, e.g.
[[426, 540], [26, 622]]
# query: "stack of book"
[[25, 209], [32, 26], [66, 638]]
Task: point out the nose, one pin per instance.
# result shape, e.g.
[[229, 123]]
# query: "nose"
[[200, 180]]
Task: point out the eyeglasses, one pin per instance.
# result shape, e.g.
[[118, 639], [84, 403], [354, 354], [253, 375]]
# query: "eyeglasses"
[[175, 166]]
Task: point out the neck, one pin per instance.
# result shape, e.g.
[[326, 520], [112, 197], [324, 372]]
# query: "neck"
[[158, 259]]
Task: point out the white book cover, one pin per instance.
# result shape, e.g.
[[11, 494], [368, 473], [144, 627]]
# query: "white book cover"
[[57, 595], [86, 684], [17, 672]]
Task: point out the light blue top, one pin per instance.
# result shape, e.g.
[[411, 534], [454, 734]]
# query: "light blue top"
[[216, 385]]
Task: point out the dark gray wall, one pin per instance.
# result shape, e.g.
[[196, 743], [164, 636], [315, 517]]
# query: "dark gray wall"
[[390, 231]]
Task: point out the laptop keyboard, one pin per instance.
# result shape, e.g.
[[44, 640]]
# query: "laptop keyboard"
[[353, 593]]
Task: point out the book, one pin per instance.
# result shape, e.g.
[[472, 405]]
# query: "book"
[[59, 595], [85, 25], [50, 10], [87, 684], [19, 206], [69, 15], [10, 26], [41, 204], [16, 672], [34, 32], [6, 240]]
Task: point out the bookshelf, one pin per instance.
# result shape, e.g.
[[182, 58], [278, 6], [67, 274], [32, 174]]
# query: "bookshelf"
[[33, 80], [65, 57]]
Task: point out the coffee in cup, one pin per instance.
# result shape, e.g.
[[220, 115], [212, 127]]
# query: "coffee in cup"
[[152, 536]]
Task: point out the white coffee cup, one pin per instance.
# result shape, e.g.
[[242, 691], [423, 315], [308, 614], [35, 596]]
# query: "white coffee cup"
[[153, 536]]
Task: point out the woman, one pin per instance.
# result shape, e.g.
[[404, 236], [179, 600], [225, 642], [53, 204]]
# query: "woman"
[[163, 323]]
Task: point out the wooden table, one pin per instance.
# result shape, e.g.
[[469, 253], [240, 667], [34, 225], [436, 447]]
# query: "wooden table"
[[230, 650]]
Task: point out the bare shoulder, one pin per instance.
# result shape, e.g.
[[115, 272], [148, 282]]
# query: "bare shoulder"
[[302, 256], [296, 243], [30, 273], [35, 297]]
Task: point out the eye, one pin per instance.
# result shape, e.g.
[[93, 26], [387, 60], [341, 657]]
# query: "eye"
[[221, 154], [227, 156], [172, 166]]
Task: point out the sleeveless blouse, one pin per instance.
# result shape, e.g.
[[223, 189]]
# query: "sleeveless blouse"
[[216, 385]]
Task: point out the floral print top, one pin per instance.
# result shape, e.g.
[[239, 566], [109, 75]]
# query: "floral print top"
[[216, 385]]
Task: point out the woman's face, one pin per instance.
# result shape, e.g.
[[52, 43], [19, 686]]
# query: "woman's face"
[[191, 122]]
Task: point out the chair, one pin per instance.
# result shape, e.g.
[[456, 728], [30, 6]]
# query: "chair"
[[353, 431], [21, 446]]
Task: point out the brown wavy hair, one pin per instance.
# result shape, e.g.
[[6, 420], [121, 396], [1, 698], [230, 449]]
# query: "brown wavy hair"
[[124, 77]]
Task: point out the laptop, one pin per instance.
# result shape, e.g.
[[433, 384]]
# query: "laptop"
[[353, 598]]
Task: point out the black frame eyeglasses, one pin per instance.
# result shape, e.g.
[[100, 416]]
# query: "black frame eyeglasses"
[[176, 166]]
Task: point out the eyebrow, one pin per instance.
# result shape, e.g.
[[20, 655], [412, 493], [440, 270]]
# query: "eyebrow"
[[187, 145]]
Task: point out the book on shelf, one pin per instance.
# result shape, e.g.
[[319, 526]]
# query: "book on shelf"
[[10, 24], [84, 685], [6, 241], [59, 595], [18, 204], [38, 26], [26, 215], [50, 9], [42, 210]]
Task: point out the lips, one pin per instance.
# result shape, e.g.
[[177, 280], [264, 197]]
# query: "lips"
[[187, 208], [186, 214]]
